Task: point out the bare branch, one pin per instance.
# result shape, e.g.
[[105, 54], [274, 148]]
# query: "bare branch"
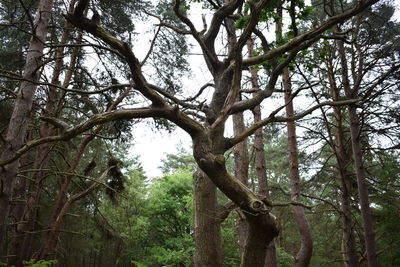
[[249, 131], [151, 46], [292, 44], [208, 51], [174, 115]]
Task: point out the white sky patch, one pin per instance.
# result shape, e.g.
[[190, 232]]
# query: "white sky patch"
[[152, 146]]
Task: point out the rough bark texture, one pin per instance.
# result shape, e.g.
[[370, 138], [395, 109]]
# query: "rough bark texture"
[[256, 211], [304, 254], [207, 228], [358, 161], [18, 207], [19, 121]]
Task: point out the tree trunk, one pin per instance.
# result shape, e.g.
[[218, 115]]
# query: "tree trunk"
[[207, 228], [304, 254], [352, 93], [343, 156], [242, 162], [62, 204], [17, 208], [349, 243], [22, 248], [19, 121], [261, 169], [262, 225]]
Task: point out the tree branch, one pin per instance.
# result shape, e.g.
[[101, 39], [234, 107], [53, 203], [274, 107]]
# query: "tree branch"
[[292, 44], [249, 131]]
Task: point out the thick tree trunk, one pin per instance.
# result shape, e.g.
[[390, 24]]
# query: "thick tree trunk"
[[260, 235], [304, 254], [358, 161], [207, 228], [17, 208], [17, 127], [262, 225]]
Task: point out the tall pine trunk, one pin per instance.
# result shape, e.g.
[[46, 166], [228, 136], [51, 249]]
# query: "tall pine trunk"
[[259, 155], [343, 157], [21, 245], [352, 93], [17, 128], [304, 254], [241, 156]]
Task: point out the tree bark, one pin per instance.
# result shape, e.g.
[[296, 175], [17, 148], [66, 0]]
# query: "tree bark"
[[343, 156], [63, 203], [262, 225], [207, 224], [242, 162], [352, 93], [19, 121], [21, 245], [261, 169], [304, 254]]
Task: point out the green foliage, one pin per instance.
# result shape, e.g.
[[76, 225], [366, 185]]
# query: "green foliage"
[[41, 263], [241, 22], [166, 222], [138, 264], [283, 258], [34, 263], [182, 160], [230, 236], [386, 211]]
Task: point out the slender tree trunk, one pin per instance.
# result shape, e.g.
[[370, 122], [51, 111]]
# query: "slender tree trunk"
[[242, 162], [304, 254], [49, 246], [350, 257], [22, 248], [63, 203], [261, 169], [358, 161], [349, 242], [17, 127], [241, 155]]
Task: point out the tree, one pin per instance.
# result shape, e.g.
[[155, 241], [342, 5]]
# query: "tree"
[[205, 123], [17, 128]]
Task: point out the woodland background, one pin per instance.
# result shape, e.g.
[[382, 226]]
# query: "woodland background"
[[295, 129]]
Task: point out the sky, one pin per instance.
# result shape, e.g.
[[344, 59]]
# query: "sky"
[[152, 147]]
